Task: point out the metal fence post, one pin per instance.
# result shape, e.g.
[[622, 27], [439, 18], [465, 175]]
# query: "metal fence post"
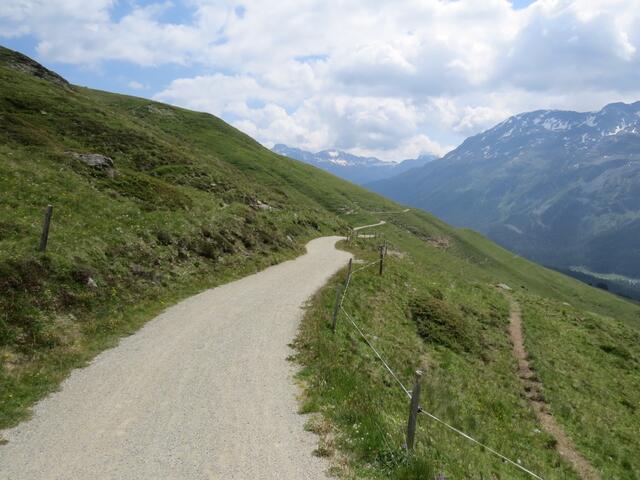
[[413, 412], [44, 236]]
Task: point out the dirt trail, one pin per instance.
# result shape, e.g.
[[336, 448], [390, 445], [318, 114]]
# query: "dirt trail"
[[381, 222], [203, 391], [533, 389]]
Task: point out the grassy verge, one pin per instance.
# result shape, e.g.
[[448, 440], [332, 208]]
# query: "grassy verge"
[[590, 368], [435, 308], [70, 340]]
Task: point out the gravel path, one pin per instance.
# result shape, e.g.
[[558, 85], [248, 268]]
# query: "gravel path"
[[381, 222], [203, 391]]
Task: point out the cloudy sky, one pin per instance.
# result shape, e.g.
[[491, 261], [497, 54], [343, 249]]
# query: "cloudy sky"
[[392, 79]]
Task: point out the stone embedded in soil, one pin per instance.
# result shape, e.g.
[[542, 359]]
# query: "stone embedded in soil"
[[94, 160]]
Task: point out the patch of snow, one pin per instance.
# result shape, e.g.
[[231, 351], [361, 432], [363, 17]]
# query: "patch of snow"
[[514, 228], [333, 154], [339, 161], [590, 121], [587, 137], [486, 152], [508, 134], [554, 125], [540, 118], [618, 129]]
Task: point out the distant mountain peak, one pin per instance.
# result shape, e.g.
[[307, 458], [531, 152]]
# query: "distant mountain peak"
[[574, 130], [351, 167], [561, 120], [560, 187]]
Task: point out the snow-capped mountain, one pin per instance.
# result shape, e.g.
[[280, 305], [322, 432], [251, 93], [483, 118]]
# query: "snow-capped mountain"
[[572, 131], [560, 187], [356, 169]]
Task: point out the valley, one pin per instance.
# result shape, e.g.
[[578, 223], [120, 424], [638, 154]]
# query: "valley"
[[558, 187]]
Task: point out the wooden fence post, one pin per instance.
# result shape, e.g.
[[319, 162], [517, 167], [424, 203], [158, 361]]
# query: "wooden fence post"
[[413, 412], [336, 307], [44, 236], [381, 258], [386, 247], [339, 292]]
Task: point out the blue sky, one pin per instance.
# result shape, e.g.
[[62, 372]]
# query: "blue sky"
[[390, 79], [518, 4]]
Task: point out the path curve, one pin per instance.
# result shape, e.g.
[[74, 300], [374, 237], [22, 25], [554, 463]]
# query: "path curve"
[[203, 391], [381, 222], [533, 389]]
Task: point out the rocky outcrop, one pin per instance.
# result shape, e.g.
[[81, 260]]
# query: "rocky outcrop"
[[22, 63]]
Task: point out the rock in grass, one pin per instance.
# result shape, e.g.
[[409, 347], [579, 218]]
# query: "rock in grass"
[[94, 160], [258, 205]]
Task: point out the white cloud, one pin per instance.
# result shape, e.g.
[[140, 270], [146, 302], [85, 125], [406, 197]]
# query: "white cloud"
[[392, 78], [225, 94], [135, 85]]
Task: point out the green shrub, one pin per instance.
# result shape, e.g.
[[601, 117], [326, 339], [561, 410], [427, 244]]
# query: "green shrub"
[[440, 323], [152, 192]]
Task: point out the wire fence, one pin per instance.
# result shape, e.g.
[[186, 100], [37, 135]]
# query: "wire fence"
[[405, 391]]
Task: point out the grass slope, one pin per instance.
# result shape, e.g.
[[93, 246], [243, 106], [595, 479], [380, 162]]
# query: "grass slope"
[[436, 308], [184, 209]]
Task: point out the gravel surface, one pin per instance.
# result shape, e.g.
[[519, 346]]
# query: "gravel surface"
[[381, 222], [203, 391]]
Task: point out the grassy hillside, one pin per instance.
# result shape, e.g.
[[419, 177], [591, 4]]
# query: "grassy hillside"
[[190, 203], [436, 308]]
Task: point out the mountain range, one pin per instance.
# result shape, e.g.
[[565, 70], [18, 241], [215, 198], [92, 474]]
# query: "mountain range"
[[559, 187], [356, 169]]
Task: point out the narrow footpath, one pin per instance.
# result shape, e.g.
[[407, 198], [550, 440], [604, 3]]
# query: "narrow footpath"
[[381, 222], [533, 389], [203, 391]]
